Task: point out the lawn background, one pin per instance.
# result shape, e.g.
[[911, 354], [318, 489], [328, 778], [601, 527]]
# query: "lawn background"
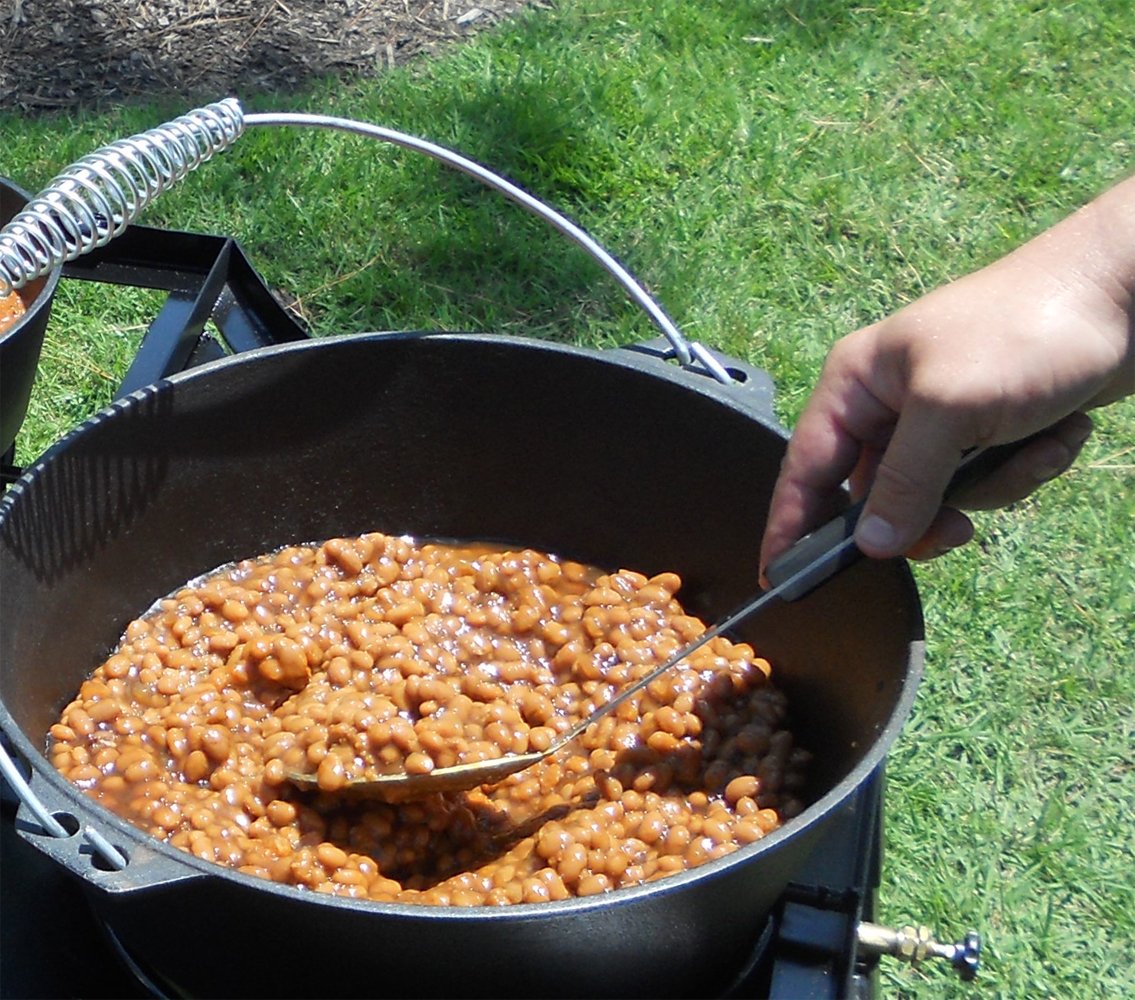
[[778, 174]]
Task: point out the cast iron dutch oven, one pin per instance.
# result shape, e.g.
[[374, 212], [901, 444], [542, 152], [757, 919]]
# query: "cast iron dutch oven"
[[611, 457], [20, 345], [618, 458]]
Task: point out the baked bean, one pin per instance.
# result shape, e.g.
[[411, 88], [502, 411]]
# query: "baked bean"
[[104, 710], [196, 766], [418, 762], [281, 813], [166, 817], [80, 721], [140, 770], [662, 742], [745, 832], [593, 884], [376, 654], [216, 742], [331, 856], [743, 786], [652, 828]]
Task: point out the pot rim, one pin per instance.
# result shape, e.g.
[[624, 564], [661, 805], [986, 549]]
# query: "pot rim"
[[129, 837], [43, 288]]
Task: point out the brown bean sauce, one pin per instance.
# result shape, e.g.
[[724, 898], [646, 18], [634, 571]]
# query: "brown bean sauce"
[[366, 655]]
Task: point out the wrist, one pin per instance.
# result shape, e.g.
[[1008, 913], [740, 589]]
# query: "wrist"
[[1089, 261], [1097, 243]]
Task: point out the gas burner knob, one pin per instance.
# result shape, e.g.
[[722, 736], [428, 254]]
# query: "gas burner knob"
[[916, 944]]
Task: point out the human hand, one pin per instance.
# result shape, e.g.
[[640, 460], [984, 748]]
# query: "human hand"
[[1026, 345]]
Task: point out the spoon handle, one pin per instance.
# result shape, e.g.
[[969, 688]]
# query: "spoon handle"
[[831, 547], [820, 559]]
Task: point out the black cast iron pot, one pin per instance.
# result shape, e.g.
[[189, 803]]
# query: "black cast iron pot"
[[20, 345], [611, 457]]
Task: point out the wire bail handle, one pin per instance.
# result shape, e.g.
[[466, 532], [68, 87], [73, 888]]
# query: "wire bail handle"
[[96, 198]]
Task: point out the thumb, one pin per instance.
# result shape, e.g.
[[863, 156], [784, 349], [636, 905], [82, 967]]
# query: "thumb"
[[909, 482]]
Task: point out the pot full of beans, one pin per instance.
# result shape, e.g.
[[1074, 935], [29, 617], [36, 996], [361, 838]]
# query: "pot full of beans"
[[374, 553], [406, 551]]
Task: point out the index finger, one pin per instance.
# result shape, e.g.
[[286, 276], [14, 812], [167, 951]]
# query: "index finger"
[[841, 423]]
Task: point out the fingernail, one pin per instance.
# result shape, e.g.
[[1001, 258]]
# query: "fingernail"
[[1080, 436], [876, 533], [1062, 453]]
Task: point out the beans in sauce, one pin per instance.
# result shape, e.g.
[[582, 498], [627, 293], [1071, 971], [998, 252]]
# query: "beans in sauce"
[[378, 653]]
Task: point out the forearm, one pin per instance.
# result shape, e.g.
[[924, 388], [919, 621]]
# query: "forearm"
[[1108, 225]]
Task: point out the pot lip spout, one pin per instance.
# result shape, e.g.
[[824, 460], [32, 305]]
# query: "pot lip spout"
[[36, 292], [22, 343]]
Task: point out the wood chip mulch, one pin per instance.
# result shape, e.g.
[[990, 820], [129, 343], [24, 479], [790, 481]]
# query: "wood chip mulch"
[[62, 54]]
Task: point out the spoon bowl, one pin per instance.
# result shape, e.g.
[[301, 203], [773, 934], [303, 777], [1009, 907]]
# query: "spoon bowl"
[[400, 786]]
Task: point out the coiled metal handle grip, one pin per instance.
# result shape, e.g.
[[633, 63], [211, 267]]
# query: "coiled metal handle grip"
[[96, 198]]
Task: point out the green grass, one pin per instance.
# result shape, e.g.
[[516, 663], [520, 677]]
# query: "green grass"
[[778, 174]]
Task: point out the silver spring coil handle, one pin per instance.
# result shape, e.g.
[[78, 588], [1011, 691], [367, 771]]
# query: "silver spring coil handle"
[[96, 198]]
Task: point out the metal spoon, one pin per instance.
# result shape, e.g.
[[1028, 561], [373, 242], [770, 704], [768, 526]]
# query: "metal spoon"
[[807, 564], [400, 786]]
